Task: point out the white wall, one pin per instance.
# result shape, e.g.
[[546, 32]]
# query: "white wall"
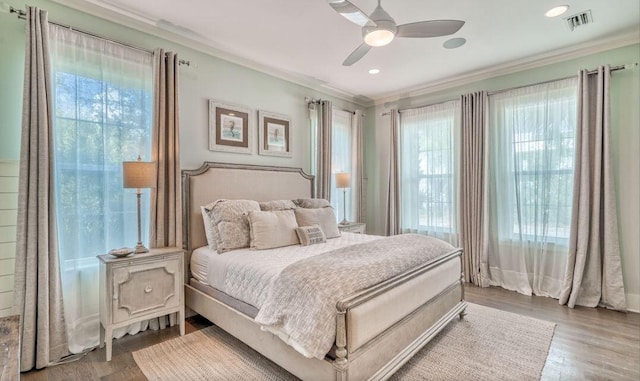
[[625, 99], [8, 206]]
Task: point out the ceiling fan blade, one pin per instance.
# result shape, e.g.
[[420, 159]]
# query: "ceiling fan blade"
[[357, 54], [351, 12], [432, 28]]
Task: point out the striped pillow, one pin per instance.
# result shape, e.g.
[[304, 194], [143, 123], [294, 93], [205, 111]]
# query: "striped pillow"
[[310, 235]]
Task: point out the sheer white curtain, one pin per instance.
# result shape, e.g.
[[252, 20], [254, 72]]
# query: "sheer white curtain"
[[103, 103], [342, 159], [429, 155], [530, 176]]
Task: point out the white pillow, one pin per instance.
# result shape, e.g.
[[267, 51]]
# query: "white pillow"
[[208, 226], [270, 229], [325, 217]]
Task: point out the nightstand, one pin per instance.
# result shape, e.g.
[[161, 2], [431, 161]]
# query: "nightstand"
[[353, 227], [140, 287]]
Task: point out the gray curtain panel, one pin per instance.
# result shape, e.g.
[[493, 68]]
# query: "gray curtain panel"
[[360, 179], [37, 285], [594, 275], [166, 203], [472, 190], [323, 171], [392, 225]]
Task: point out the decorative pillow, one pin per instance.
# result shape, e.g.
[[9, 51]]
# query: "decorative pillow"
[[325, 217], [272, 229], [231, 226], [208, 226], [311, 203], [310, 235], [277, 205]]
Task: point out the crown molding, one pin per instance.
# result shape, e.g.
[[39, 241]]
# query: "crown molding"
[[531, 62], [109, 12], [147, 25]]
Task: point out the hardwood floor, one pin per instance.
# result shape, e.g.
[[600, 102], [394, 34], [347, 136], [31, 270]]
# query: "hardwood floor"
[[588, 344]]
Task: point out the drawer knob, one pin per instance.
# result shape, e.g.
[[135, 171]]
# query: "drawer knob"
[[148, 289]]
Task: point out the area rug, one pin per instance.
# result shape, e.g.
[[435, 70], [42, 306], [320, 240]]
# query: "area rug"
[[488, 344]]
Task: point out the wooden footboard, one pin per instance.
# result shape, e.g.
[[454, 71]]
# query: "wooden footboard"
[[374, 340]]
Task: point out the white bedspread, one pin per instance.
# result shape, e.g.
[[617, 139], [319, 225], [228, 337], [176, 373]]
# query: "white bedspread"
[[301, 303], [247, 274]]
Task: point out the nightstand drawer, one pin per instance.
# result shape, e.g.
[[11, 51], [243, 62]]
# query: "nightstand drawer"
[[145, 287], [353, 227]]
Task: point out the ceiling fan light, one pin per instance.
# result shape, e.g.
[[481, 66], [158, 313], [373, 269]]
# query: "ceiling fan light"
[[379, 37]]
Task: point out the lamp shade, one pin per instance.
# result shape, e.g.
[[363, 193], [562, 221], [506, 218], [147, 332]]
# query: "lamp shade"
[[343, 180], [139, 174]]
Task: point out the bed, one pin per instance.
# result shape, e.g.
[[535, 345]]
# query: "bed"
[[376, 329]]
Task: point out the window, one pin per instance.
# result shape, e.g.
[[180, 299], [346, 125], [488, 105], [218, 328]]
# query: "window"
[[342, 149], [102, 107], [429, 140], [532, 143], [98, 124], [345, 146]]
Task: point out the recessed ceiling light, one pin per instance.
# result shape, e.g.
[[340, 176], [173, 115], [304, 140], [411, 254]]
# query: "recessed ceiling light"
[[374, 71], [556, 11], [454, 43]]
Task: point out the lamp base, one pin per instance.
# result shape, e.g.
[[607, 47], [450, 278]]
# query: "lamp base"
[[140, 248], [344, 222]]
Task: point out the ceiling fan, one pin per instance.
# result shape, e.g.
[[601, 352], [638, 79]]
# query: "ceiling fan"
[[379, 29]]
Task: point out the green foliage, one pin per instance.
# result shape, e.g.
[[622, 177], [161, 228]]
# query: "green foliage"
[[97, 126]]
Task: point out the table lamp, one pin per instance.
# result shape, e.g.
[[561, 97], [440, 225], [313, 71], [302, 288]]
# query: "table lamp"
[[343, 180], [139, 174]]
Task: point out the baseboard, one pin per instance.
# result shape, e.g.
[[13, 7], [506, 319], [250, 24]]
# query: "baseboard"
[[633, 302]]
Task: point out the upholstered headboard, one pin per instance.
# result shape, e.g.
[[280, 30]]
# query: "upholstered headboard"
[[213, 181]]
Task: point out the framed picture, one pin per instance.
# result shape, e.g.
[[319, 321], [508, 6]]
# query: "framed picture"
[[274, 134], [230, 128]]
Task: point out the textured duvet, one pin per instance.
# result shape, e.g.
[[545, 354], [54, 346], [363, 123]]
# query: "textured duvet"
[[300, 305]]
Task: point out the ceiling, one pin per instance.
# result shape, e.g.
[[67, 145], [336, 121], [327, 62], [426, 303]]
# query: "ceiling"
[[307, 39]]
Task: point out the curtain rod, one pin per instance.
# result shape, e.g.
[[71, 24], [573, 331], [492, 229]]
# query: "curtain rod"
[[22, 15], [312, 100], [318, 100], [613, 68], [432, 104]]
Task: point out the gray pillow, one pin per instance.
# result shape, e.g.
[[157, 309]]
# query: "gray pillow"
[[324, 217], [208, 226], [272, 229], [310, 235], [312, 203], [277, 205], [231, 226]]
